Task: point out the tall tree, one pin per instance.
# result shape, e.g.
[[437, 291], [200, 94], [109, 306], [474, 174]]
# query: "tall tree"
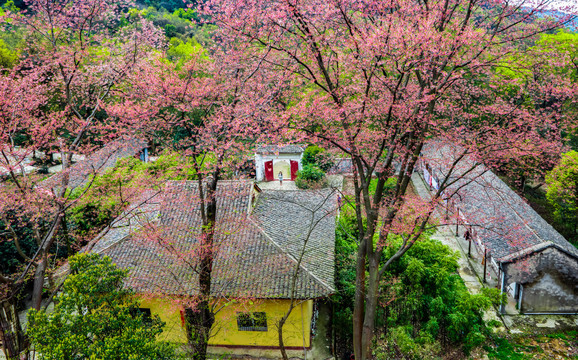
[[203, 109], [76, 55], [377, 79]]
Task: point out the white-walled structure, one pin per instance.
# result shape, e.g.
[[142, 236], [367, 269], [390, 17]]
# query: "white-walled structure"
[[270, 160]]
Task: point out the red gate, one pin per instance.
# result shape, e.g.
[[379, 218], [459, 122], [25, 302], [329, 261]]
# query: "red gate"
[[294, 169], [269, 170]]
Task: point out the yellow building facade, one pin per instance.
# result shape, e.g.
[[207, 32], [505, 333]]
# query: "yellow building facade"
[[228, 330], [260, 236]]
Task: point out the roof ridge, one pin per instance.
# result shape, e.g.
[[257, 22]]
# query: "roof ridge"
[[290, 256], [537, 247], [137, 226], [195, 181]]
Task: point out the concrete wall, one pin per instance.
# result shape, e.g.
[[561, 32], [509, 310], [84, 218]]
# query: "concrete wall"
[[549, 282], [225, 332]]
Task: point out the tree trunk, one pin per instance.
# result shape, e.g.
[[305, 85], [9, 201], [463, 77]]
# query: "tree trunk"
[[12, 337], [41, 267], [280, 328], [39, 282], [200, 320], [522, 184], [358, 310], [370, 309]]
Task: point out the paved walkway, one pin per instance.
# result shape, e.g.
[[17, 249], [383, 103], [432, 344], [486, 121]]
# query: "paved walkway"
[[470, 270], [333, 181]]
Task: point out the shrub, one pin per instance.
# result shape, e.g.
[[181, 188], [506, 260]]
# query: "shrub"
[[96, 317], [311, 176], [315, 155]]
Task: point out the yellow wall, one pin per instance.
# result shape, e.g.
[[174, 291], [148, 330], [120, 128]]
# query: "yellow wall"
[[225, 331], [170, 313]]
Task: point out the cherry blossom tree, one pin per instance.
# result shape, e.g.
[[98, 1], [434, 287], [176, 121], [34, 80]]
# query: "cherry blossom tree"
[[375, 80], [205, 109], [77, 52]]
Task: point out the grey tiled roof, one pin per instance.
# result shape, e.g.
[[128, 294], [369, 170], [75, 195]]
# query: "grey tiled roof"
[[504, 222], [274, 149], [249, 262], [141, 213], [98, 162], [303, 223]]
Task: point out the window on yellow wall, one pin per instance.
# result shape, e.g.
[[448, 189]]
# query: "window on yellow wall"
[[255, 321]]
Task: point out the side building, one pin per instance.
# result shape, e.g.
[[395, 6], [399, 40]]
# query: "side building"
[[80, 173], [535, 265], [270, 160]]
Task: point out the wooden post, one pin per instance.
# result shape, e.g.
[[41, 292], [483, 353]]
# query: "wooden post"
[[485, 263], [458, 223]]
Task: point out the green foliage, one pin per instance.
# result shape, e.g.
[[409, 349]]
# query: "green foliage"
[[400, 344], [168, 5], [345, 251], [96, 318], [315, 155], [539, 202], [170, 30], [504, 350], [10, 40], [567, 335], [180, 23], [562, 42], [425, 292], [7, 58], [426, 305], [9, 6], [189, 14], [179, 51], [310, 176], [102, 202], [562, 191]]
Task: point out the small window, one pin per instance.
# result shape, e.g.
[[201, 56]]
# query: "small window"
[[256, 321]]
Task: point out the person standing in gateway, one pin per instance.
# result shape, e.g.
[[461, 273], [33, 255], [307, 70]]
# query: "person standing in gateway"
[[280, 178]]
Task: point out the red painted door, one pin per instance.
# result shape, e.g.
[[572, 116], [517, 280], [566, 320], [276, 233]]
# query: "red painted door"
[[269, 170], [294, 169]]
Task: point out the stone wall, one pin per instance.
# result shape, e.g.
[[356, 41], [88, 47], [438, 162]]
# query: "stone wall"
[[549, 282]]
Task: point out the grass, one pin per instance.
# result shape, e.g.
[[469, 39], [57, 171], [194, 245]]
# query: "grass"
[[560, 345], [505, 350]]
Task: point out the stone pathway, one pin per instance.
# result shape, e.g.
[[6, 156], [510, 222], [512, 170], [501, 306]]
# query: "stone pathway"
[[274, 185], [334, 181]]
